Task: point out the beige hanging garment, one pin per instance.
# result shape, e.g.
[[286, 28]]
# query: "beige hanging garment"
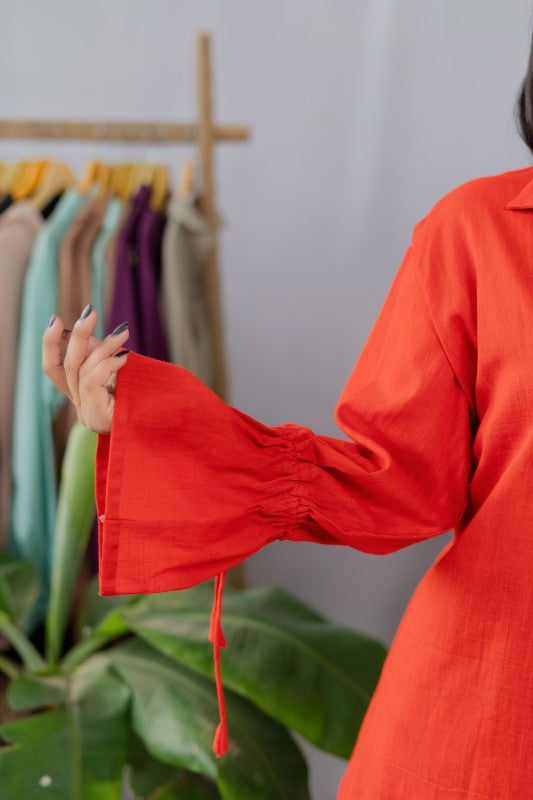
[[188, 239], [19, 226]]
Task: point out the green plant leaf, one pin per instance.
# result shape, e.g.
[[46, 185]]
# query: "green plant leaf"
[[75, 513], [187, 787], [35, 764], [315, 677], [96, 607], [9, 667], [111, 627], [147, 777], [24, 647], [29, 691], [75, 752], [175, 713], [19, 587]]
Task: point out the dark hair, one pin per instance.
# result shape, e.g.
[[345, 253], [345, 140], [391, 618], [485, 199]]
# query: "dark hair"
[[524, 105]]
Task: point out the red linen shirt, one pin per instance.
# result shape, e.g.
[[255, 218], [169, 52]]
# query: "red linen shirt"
[[438, 410]]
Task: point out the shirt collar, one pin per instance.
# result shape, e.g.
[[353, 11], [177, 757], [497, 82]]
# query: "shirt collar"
[[524, 198]]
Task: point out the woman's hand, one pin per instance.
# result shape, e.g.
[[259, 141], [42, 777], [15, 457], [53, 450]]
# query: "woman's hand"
[[87, 372]]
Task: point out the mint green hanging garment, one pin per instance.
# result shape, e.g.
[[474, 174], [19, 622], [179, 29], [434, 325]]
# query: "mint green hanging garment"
[[110, 222], [37, 401]]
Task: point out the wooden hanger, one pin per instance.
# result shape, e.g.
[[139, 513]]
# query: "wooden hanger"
[[11, 175], [29, 179], [147, 175], [89, 177], [103, 178], [114, 178], [159, 187], [134, 179], [123, 179], [113, 169], [56, 178]]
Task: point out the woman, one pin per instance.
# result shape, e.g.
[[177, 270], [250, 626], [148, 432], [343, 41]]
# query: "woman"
[[438, 412]]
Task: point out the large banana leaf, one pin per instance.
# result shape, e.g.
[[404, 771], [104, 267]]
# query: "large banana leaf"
[[174, 712], [156, 780], [75, 751], [75, 513], [28, 692], [95, 606], [314, 677], [110, 628]]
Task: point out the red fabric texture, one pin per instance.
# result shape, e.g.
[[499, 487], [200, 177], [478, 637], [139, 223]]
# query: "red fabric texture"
[[437, 413]]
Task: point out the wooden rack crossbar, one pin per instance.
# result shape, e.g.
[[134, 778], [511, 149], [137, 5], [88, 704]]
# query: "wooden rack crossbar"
[[117, 131]]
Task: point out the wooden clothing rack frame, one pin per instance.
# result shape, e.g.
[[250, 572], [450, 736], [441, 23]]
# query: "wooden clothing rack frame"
[[205, 133]]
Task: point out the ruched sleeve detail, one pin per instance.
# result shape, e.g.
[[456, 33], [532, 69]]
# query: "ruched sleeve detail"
[[186, 485]]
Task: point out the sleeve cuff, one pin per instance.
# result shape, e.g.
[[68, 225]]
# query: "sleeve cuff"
[[188, 486]]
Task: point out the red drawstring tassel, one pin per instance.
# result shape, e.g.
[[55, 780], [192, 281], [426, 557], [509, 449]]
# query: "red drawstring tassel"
[[220, 742]]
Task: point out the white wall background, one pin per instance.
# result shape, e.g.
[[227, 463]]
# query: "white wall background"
[[363, 113]]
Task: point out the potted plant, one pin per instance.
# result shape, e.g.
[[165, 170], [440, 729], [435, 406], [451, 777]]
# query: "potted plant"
[[128, 697]]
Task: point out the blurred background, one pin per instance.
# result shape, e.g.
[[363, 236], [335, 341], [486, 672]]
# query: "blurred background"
[[362, 115]]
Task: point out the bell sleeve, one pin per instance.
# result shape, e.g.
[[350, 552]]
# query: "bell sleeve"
[[188, 485]]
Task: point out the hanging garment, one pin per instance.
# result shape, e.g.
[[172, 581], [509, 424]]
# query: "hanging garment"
[[188, 240], [438, 412], [103, 273], [75, 268], [37, 401], [125, 304], [19, 226], [151, 227], [109, 226], [75, 291], [135, 294], [110, 258]]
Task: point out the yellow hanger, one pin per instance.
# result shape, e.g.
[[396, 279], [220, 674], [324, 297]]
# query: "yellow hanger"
[[112, 184], [159, 187], [185, 184], [3, 168], [56, 178], [11, 175], [147, 175], [122, 180], [29, 179], [90, 176], [113, 172], [134, 179], [103, 176]]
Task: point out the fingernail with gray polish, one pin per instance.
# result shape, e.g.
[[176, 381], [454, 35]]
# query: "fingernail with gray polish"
[[120, 328], [86, 311], [52, 318], [121, 353]]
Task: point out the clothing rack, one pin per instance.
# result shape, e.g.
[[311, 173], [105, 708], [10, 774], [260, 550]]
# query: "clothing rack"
[[204, 132]]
